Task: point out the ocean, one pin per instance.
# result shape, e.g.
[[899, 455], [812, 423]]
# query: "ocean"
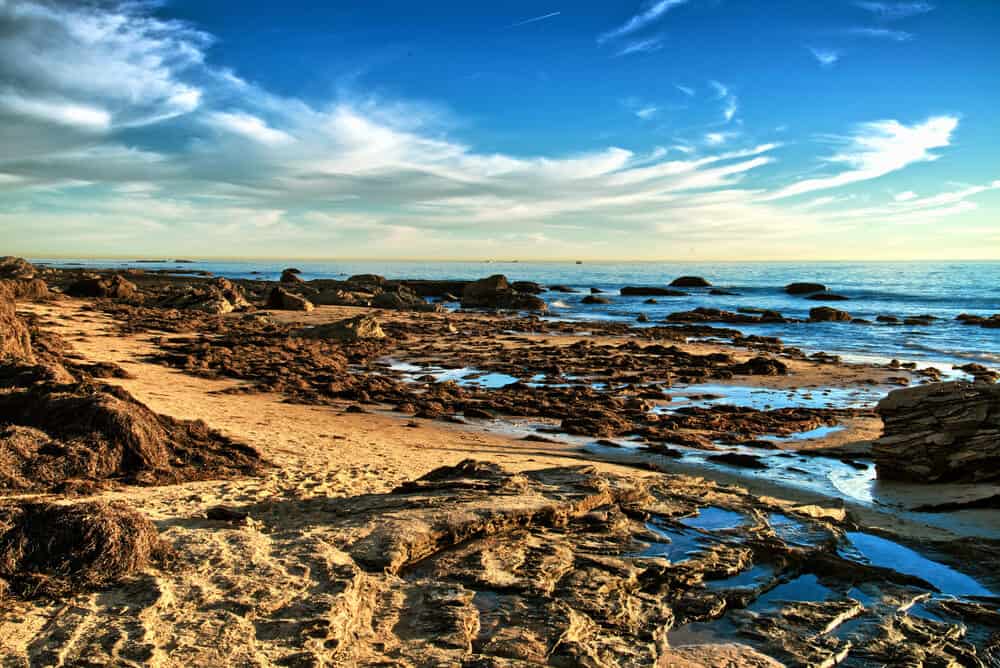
[[940, 289]]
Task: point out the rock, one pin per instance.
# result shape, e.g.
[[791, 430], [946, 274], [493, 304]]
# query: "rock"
[[827, 297], [723, 293], [16, 268], [596, 291], [827, 314], [360, 328], [291, 276], [739, 460], [690, 282], [496, 293], [804, 288], [562, 288], [284, 300], [919, 320], [220, 296], [979, 372], [371, 282], [650, 301], [402, 298], [887, 319], [527, 287], [650, 291], [940, 432], [594, 299], [15, 340], [28, 290], [113, 287], [760, 366], [642, 318]]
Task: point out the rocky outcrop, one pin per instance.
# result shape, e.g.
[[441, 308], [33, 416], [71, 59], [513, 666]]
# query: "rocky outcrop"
[[702, 314], [15, 340], [220, 296], [690, 282], [111, 287], [495, 292], [827, 314], [16, 268], [649, 291], [804, 288], [990, 322], [595, 299], [942, 432], [360, 328], [402, 298], [291, 275], [284, 300]]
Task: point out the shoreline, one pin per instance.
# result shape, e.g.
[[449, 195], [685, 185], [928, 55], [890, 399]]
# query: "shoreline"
[[324, 452]]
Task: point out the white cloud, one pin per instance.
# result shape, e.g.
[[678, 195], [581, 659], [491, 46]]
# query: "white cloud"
[[730, 102], [877, 149], [651, 13], [81, 116], [249, 126], [905, 196], [649, 45], [825, 57], [882, 33], [685, 89], [892, 11]]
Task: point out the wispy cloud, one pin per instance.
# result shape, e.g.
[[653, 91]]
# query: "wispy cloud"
[[642, 46], [687, 90], [877, 149], [535, 19], [647, 113], [248, 126], [648, 15], [731, 104], [881, 33], [825, 57], [894, 11]]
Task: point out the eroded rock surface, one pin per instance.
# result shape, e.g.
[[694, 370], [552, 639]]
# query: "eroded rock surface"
[[941, 432]]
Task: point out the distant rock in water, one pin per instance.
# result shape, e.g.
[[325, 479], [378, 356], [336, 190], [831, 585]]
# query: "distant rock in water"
[[650, 291], [528, 287], [804, 288], [723, 293], [827, 314], [941, 432], [690, 282], [561, 288], [827, 297], [991, 322], [291, 275], [284, 300], [595, 299], [495, 292]]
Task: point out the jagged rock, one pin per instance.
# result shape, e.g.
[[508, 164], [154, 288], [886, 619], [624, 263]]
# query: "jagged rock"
[[940, 432], [284, 300], [804, 288], [360, 328], [528, 287], [113, 287], [28, 290], [647, 291], [496, 293], [760, 366], [827, 314], [15, 340], [291, 275], [368, 282], [220, 296], [16, 268], [690, 282], [402, 298]]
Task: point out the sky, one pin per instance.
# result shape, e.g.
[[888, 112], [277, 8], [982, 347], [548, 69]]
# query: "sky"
[[674, 130]]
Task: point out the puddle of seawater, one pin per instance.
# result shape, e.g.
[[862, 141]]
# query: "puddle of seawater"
[[677, 545], [465, 376], [756, 576], [878, 551], [803, 588], [766, 398], [714, 519], [797, 532], [818, 432]]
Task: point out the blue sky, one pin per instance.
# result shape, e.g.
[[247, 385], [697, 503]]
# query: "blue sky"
[[665, 129]]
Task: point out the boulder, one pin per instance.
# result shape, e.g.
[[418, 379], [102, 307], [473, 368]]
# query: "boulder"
[[595, 299], [827, 314], [360, 328], [649, 291], [940, 432], [112, 287], [402, 298], [15, 341], [760, 366], [690, 282], [528, 287], [284, 300], [219, 297], [16, 268], [804, 288], [496, 293], [291, 276]]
